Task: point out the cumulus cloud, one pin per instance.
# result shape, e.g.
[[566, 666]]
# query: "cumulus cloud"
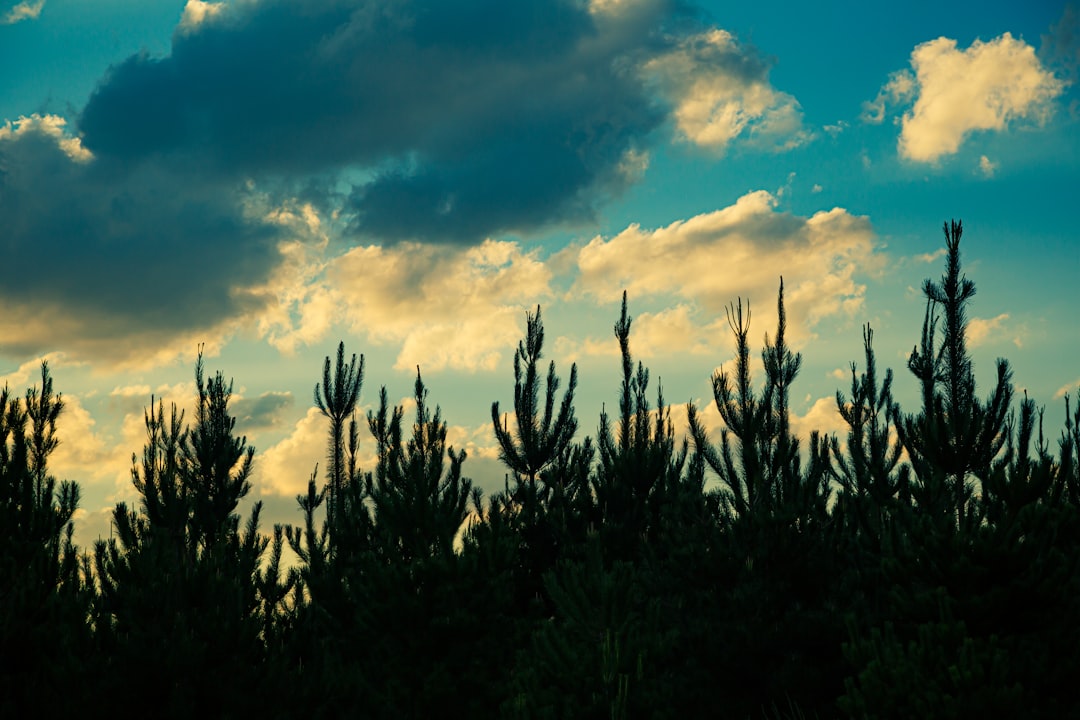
[[821, 416], [674, 330], [987, 166], [130, 264], [710, 260], [447, 307], [475, 117], [950, 93], [721, 91], [199, 193], [445, 122], [284, 468], [25, 10]]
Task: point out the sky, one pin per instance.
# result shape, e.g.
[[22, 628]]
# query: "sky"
[[266, 178]]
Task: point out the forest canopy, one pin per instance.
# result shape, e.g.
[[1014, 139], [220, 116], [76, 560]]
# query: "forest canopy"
[[921, 564]]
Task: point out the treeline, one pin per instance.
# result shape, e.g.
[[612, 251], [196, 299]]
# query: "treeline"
[[925, 565]]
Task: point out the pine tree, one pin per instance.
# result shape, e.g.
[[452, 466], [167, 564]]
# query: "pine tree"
[[44, 591], [540, 439], [180, 575], [419, 504], [336, 399], [955, 437], [640, 470], [774, 516]]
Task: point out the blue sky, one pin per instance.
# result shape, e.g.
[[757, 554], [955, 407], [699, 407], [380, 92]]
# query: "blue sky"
[[268, 178]]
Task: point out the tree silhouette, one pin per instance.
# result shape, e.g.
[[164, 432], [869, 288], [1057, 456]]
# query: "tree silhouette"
[[540, 439], [44, 596], [181, 574], [336, 399], [640, 469]]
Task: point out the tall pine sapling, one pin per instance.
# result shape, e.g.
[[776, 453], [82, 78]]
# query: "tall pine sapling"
[[336, 399]]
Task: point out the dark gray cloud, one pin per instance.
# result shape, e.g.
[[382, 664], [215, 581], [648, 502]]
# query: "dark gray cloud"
[[1061, 45], [265, 411], [466, 118], [114, 251]]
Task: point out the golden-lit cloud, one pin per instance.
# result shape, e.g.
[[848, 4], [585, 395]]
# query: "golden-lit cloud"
[[710, 260], [285, 468], [448, 307], [674, 330], [984, 330], [822, 416], [299, 307], [951, 93], [1068, 389], [50, 126], [721, 91], [196, 12]]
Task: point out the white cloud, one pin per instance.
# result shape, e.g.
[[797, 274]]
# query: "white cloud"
[[721, 92], [740, 251], [448, 307], [25, 10], [955, 92]]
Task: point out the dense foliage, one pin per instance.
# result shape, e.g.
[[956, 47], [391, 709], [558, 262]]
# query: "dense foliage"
[[925, 565]]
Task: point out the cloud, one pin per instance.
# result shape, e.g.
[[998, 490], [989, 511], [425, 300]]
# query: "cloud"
[[25, 10], [264, 411], [1060, 46], [930, 257], [463, 120], [428, 121], [951, 93], [134, 265], [821, 416], [448, 307], [742, 250], [721, 92], [676, 330], [983, 330], [28, 374], [987, 167], [197, 12], [284, 469], [1067, 388]]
